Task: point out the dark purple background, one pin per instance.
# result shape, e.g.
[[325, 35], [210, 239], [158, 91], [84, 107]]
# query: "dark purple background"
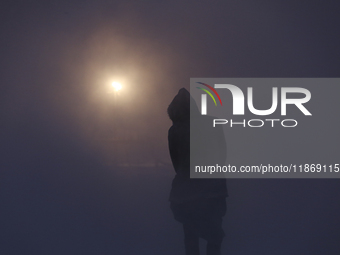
[[57, 195]]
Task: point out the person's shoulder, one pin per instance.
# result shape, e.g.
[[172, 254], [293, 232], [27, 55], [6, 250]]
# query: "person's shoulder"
[[171, 130], [180, 128]]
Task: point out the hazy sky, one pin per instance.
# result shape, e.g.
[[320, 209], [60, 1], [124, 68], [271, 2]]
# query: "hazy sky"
[[57, 61]]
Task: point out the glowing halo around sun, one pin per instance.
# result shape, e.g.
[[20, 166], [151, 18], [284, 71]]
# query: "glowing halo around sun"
[[116, 85]]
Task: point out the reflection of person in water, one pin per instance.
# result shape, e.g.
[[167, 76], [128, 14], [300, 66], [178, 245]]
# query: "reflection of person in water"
[[199, 204]]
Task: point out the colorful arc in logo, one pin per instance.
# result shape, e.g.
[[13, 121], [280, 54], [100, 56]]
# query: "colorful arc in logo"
[[208, 86]]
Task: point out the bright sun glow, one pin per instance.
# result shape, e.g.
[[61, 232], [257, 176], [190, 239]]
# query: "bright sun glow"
[[117, 86]]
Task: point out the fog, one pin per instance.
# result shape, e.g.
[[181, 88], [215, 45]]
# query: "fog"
[[86, 170]]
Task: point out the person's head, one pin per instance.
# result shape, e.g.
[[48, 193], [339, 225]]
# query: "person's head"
[[179, 108]]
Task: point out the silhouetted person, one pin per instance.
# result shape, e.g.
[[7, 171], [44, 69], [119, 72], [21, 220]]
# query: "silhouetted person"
[[199, 204]]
